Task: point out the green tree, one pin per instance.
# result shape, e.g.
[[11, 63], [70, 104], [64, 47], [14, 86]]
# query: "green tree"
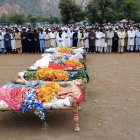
[[100, 11], [41, 19], [53, 20], [17, 18], [70, 11], [130, 9], [33, 19], [4, 19]]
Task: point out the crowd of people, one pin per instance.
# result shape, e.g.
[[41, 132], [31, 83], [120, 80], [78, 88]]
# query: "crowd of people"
[[93, 39]]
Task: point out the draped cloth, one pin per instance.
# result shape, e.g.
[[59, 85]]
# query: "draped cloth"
[[13, 97]]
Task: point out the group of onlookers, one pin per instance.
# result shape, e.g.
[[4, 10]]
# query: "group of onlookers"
[[93, 39]]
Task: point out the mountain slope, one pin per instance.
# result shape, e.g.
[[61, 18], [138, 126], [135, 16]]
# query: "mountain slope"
[[35, 7]]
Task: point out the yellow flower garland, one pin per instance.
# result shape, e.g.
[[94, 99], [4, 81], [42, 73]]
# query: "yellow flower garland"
[[65, 49], [51, 74], [74, 64], [47, 92]]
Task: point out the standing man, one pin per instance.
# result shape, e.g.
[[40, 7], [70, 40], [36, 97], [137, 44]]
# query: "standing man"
[[47, 39], [92, 41], [3, 33], [42, 40], [121, 35], [75, 38], [24, 40], [53, 38], [81, 38], [13, 43], [30, 41], [86, 40], [7, 42], [103, 37], [18, 41], [131, 39], [109, 35], [98, 40], [138, 40], [126, 39], [67, 38], [60, 39], [115, 40], [1, 42], [36, 41], [71, 37]]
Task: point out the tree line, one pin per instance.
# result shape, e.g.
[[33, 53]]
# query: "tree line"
[[96, 11], [100, 11], [21, 18]]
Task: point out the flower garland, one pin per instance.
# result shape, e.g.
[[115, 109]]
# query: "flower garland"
[[47, 92], [73, 64], [65, 49], [51, 74]]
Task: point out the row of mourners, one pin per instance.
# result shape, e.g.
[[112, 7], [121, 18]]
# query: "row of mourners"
[[36, 40]]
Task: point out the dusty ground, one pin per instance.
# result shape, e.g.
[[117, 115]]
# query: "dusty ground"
[[112, 111]]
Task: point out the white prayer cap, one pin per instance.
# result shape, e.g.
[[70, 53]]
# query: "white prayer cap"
[[65, 28], [77, 28], [49, 29], [62, 28]]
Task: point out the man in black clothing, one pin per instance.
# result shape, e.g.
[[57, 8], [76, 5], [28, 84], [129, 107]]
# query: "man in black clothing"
[[92, 37], [24, 40], [75, 38], [36, 41], [30, 41], [115, 42]]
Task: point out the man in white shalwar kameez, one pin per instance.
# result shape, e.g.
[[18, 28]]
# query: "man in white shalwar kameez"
[[81, 38], [109, 35], [1, 42], [3, 33], [67, 38], [131, 39], [60, 38], [98, 40], [47, 39], [53, 38], [103, 35], [86, 40], [121, 35], [71, 37]]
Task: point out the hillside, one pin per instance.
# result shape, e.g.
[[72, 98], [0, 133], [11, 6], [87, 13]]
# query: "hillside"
[[35, 7]]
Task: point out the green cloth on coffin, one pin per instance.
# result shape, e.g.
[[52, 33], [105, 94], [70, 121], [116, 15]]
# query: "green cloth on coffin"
[[30, 75], [78, 74]]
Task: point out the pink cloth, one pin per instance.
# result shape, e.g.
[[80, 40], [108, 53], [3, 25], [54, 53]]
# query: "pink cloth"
[[13, 97]]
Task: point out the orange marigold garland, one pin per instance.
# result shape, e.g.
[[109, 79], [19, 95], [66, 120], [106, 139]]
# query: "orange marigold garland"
[[47, 92], [65, 49], [51, 74], [74, 64]]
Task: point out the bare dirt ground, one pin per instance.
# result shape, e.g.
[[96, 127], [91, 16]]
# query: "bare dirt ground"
[[112, 111]]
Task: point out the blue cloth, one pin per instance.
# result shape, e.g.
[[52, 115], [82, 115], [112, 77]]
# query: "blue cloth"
[[31, 103]]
